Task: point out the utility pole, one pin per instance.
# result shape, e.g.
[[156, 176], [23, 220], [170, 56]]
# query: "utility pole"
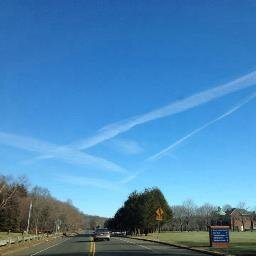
[[29, 214]]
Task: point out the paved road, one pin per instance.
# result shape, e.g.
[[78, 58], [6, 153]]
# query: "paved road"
[[83, 245]]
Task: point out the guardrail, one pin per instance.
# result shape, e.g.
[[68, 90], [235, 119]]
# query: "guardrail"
[[23, 239]]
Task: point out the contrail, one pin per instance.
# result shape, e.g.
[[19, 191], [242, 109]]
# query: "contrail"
[[195, 100], [175, 144], [69, 155], [114, 129]]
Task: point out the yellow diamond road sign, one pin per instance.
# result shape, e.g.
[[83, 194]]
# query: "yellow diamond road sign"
[[159, 214]]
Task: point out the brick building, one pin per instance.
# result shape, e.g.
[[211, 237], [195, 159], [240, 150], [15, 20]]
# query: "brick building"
[[240, 219]]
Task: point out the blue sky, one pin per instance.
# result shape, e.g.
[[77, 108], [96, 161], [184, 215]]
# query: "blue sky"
[[101, 98]]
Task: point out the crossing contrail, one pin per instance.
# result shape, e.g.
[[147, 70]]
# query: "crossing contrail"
[[66, 154], [203, 97], [163, 152], [192, 101]]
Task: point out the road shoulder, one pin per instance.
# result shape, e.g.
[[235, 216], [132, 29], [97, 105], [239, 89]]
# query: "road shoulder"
[[204, 251], [30, 246]]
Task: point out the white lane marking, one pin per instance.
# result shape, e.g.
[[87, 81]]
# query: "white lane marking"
[[143, 246], [50, 247]]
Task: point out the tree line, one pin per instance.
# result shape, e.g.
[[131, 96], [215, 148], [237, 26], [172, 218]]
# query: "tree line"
[[93, 221], [47, 214], [138, 214], [190, 217]]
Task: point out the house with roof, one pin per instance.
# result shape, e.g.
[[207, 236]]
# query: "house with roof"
[[240, 219]]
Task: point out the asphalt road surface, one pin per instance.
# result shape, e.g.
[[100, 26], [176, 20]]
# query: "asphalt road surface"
[[83, 245]]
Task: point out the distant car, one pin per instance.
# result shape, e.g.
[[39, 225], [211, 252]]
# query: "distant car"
[[101, 234], [118, 233]]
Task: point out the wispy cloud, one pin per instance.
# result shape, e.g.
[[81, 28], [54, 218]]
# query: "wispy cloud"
[[195, 100], [165, 151], [129, 147], [64, 153], [99, 183], [85, 181]]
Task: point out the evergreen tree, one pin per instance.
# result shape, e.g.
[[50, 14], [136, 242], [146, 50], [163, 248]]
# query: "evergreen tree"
[[137, 215]]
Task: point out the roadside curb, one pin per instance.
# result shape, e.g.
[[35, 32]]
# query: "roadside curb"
[[182, 246]]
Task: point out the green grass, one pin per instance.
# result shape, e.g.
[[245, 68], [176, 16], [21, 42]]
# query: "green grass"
[[4, 235], [241, 243]]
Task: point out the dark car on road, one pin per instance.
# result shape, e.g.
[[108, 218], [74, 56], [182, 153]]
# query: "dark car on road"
[[118, 233]]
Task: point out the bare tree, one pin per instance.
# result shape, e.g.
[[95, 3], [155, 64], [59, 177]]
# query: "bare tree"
[[190, 210], [205, 213], [40, 207], [242, 205], [8, 188], [178, 217]]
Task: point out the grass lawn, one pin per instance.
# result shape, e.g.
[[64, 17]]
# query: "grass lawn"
[[241, 243], [4, 235]]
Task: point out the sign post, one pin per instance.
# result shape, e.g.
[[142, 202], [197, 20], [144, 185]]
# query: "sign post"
[[219, 236], [159, 217]]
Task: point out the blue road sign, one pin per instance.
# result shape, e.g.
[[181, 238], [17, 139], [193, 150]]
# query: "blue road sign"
[[220, 235]]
